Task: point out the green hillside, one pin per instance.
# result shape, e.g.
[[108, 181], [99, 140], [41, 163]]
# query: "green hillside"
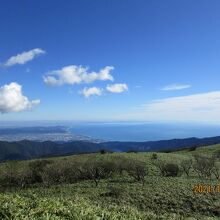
[[113, 186]]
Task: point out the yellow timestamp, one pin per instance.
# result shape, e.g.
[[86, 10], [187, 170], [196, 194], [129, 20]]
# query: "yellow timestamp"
[[202, 188]]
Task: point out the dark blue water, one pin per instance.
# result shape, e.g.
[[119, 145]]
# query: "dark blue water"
[[143, 132]]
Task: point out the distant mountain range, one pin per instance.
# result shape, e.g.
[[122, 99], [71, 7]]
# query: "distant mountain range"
[[23, 150]]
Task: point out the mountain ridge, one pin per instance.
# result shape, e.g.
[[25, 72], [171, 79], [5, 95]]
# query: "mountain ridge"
[[26, 149]]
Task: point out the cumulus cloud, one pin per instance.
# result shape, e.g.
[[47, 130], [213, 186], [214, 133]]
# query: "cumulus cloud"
[[12, 99], [24, 57], [92, 91], [175, 87], [77, 74], [117, 88], [202, 107]]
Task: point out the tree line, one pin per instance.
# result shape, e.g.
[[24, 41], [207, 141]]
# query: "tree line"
[[71, 170]]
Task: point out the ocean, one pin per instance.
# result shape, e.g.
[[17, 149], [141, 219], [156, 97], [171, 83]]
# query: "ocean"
[[143, 131]]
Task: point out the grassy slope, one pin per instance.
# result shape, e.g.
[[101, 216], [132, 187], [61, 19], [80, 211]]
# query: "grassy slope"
[[159, 198]]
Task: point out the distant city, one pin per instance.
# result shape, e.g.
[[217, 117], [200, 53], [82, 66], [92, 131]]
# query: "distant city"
[[56, 134]]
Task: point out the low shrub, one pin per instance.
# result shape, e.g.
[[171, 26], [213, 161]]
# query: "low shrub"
[[114, 191], [186, 166], [167, 169], [96, 170], [204, 166], [37, 168], [154, 156], [170, 169], [137, 170], [63, 171]]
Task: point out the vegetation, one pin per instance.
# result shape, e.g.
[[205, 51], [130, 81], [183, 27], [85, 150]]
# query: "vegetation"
[[26, 150], [154, 156], [112, 186], [137, 170], [204, 166], [186, 166]]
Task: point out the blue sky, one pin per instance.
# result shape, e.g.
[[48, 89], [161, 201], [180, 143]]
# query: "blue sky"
[[165, 54]]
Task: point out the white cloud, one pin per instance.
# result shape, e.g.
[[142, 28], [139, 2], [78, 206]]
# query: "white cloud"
[[77, 74], [202, 107], [12, 99], [92, 91], [117, 88], [24, 57], [176, 87]]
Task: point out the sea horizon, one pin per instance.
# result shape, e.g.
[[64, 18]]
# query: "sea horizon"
[[126, 131]]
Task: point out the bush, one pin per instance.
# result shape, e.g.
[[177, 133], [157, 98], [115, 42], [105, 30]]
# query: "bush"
[[215, 172], [121, 164], [170, 169], [137, 170], [14, 173], [167, 169], [193, 148], [159, 164], [9, 175], [114, 191], [36, 168], [186, 166], [64, 171], [154, 156], [204, 166], [96, 170], [217, 154], [103, 151]]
